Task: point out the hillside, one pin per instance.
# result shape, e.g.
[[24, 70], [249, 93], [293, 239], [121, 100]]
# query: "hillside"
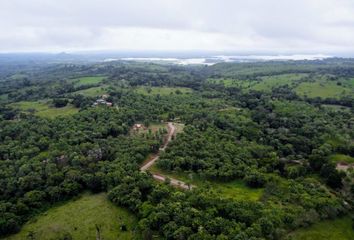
[[260, 150]]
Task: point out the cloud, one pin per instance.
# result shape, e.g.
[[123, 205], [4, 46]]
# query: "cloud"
[[278, 26]]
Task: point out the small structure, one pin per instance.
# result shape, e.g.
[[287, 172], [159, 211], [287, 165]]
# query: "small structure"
[[102, 101], [138, 126], [343, 166]]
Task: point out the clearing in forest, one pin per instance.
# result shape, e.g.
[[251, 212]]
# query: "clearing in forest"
[[87, 80], [92, 92], [235, 189], [42, 108], [79, 219], [325, 88], [163, 90]]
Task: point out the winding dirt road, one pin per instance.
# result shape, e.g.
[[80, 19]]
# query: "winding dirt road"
[[154, 158]]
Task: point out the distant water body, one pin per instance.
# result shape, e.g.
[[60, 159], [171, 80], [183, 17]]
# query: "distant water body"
[[222, 58]]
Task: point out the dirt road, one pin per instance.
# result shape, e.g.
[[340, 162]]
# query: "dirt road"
[[154, 158]]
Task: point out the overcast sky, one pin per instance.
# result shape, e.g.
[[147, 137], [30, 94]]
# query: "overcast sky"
[[273, 26]]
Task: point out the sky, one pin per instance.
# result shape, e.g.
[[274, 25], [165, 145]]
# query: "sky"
[[238, 26]]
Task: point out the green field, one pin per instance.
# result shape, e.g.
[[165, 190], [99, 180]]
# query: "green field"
[[336, 107], [269, 82], [323, 89], [339, 229], [162, 90], [42, 108], [228, 82], [341, 158], [92, 92], [265, 83], [236, 189], [87, 80], [78, 219]]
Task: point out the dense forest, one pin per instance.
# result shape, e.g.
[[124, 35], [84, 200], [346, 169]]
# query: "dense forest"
[[283, 128]]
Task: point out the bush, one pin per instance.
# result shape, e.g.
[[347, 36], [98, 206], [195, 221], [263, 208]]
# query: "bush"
[[255, 179], [60, 102]]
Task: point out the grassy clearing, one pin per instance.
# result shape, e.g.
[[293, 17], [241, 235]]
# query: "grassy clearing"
[[153, 127], [338, 229], [79, 218], [163, 91], [92, 92], [269, 82], [236, 189], [229, 82], [323, 89], [87, 80], [265, 83], [336, 158], [42, 108], [337, 108]]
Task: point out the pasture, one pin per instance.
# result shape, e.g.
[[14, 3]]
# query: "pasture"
[[42, 108], [92, 92], [87, 80], [235, 189], [79, 219], [323, 89], [269, 82]]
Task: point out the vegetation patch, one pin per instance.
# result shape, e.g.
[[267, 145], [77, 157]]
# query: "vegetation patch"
[[150, 129], [92, 92], [3, 97], [163, 90], [327, 89], [43, 108], [229, 82], [81, 219], [269, 82], [236, 189], [341, 158], [88, 80], [338, 229]]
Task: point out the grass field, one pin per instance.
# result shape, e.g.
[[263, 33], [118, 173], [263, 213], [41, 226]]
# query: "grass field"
[[228, 82], [92, 92], [322, 89], [265, 83], [79, 218], [162, 90], [42, 108], [334, 107], [236, 189], [339, 229], [87, 81], [341, 158], [269, 82]]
